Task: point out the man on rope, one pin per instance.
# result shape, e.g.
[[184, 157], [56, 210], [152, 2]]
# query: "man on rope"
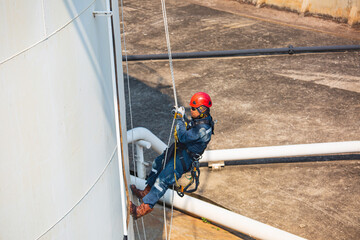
[[191, 141]]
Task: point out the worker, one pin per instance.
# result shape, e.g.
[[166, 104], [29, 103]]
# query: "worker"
[[193, 136]]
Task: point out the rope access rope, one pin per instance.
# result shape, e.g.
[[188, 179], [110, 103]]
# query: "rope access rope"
[[174, 91], [163, 7], [169, 49], [131, 116], [164, 163]]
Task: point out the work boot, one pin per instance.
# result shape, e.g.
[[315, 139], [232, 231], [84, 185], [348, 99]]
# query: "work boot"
[[138, 212], [140, 194]]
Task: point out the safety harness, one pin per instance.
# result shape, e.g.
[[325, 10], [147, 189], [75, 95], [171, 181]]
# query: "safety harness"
[[195, 165]]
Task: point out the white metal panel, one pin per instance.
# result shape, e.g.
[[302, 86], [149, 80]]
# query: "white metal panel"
[[57, 135], [96, 216], [14, 15], [59, 13]]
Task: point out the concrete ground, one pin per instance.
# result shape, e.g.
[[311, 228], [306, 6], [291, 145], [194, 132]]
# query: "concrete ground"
[[258, 101]]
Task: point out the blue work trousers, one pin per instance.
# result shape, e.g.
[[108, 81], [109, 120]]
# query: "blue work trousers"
[[160, 179]]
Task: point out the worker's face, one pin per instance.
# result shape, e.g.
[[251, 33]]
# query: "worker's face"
[[194, 112]]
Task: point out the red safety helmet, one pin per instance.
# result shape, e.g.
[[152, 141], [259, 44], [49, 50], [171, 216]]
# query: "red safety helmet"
[[200, 99]]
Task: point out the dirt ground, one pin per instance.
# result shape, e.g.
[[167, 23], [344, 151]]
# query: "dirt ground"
[[258, 101]]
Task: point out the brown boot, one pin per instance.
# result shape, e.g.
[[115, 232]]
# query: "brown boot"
[[140, 193], [138, 212]]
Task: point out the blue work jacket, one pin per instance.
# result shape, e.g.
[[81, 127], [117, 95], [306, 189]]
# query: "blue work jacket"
[[195, 136]]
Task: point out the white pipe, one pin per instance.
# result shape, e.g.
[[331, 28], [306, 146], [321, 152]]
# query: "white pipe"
[[141, 133], [252, 153], [141, 169], [280, 151], [222, 216], [144, 144], [117, 126], [141, 164]]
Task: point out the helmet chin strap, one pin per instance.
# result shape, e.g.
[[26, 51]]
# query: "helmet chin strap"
[[204, 113]]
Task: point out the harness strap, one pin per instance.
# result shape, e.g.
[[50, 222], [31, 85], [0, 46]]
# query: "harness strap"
[[210, 122], [195, 168], [170, 152], [195, 174], [182, 160]]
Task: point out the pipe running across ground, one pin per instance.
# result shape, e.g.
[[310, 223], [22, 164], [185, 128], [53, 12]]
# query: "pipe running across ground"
[[237, 154], [245, 52]]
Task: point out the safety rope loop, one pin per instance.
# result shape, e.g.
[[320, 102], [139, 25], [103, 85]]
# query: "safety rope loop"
[[195, 175], [180, 193]]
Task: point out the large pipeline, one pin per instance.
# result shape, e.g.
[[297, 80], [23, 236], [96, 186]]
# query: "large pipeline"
[[262, 155], [302, 159], [245, 52], [222, 216], [281, 151]]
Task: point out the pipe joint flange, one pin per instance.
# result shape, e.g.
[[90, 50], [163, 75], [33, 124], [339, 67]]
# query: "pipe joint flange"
[[291, 49]]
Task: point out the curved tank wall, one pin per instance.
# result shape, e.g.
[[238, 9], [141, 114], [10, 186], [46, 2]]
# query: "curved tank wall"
[[59, 173]]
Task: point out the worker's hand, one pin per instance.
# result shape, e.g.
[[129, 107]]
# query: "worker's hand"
[[180, 112]]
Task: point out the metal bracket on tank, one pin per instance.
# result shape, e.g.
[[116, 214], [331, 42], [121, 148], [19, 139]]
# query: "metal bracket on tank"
[[102, 13]]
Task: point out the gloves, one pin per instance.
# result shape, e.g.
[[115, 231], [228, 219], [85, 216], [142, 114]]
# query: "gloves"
[[179, 112]]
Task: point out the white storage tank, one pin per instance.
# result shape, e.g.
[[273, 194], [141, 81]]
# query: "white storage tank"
[[59, 171]]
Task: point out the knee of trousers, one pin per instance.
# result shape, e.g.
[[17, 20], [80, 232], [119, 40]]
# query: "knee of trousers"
[[157, 191], [157, 163], [162, 183]]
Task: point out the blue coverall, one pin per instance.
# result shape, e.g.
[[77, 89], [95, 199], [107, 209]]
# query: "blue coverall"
[[195, 140]]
